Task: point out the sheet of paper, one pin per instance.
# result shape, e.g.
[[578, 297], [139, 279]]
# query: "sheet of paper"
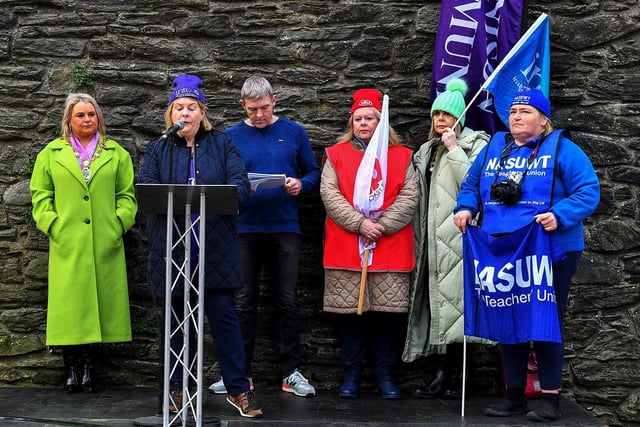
[[266, 180]]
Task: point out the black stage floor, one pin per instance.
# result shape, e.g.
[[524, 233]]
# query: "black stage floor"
[[118, 407]]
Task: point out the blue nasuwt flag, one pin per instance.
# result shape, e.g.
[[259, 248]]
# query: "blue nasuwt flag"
[[473, 37], [526, 66], [508, 286]]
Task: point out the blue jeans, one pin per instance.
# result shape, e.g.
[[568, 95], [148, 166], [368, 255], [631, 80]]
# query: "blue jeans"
[[227, 340], [280, 253], [549, 355]]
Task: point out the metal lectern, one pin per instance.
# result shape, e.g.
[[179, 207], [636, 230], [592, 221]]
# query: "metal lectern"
[[167, 199]]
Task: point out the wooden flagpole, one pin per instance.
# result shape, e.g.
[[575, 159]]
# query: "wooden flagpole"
[[363, 280]]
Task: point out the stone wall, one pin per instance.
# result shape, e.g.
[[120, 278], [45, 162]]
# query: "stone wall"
[[315, 53]]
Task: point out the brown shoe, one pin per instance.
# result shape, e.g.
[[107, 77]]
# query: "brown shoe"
[[175, 401], [246, 404]]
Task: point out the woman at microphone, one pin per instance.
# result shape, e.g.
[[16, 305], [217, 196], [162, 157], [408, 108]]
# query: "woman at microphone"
[[192, 152]]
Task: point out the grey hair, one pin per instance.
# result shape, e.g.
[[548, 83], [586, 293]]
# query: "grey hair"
[[256, 87]]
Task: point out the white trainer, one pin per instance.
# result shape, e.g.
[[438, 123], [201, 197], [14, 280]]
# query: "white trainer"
[[297, 384], [219, 388]]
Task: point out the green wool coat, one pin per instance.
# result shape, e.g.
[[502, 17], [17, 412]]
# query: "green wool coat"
[[88, 300]]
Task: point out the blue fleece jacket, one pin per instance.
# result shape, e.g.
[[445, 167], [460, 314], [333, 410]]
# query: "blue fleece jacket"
[[576, 192], [280, 148]]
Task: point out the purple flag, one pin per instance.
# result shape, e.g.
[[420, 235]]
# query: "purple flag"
[[472, 39]]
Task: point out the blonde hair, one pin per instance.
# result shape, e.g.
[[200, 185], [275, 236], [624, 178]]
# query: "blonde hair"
[[74, 99], [433, 134], [394, 138], [548, 128], [205, 123]]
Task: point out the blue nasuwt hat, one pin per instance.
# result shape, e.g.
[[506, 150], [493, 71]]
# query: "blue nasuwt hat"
[[535, 98], [187, 85]]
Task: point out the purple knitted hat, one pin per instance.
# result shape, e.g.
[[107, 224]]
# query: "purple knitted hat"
[[187, 85]]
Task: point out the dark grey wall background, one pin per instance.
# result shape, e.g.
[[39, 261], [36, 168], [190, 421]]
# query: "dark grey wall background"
[[315, 53]]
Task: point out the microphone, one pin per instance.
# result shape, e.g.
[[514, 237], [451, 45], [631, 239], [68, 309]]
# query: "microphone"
[[179, 125]]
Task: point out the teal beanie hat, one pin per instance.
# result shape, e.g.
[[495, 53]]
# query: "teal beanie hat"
[[452, 99]]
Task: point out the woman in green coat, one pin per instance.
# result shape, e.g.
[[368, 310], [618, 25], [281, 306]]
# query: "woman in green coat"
[[84, 201], [435, 324]]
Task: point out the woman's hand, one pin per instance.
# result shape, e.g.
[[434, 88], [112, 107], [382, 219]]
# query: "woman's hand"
[[547, 220], [449, 139], [371, 230], [461, 219]]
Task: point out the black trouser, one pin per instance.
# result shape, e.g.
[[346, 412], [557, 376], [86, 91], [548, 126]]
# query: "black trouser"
[[373, 332], [549, 355], [78, 355]]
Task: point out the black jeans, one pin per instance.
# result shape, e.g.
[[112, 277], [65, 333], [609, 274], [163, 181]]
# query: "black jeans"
[[280, 252], [375, 333]]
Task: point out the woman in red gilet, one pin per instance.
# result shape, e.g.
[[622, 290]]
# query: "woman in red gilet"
[[386, 231]]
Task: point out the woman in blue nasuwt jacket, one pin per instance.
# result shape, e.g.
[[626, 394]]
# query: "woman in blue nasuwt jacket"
[[559, 189]]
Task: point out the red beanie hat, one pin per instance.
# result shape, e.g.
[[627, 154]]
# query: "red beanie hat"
[[366, 98]]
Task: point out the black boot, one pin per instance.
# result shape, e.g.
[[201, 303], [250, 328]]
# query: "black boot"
[[513, 403], [350, 383], [435, 388], [387, 386], [454, 389], [454, 367], [548, 410], [70, 357], [72, 384], [87, 369], [87, 378]]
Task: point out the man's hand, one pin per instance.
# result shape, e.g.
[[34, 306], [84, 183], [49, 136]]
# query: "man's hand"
[[293, 186]]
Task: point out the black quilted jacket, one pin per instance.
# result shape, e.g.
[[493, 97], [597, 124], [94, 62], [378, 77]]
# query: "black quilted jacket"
[[216, 162]]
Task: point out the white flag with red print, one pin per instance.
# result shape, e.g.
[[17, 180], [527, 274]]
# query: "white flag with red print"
[[371, 179]]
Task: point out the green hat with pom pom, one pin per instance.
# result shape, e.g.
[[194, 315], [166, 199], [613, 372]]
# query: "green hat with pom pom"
[[452, 99]]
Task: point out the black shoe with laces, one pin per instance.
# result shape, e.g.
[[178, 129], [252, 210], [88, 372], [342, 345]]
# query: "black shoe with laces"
[[507, 408]]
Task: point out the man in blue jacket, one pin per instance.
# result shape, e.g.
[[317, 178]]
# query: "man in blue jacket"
[[268, 227]]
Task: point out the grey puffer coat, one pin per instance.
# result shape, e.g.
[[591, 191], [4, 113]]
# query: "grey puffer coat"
[[437, 299]]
